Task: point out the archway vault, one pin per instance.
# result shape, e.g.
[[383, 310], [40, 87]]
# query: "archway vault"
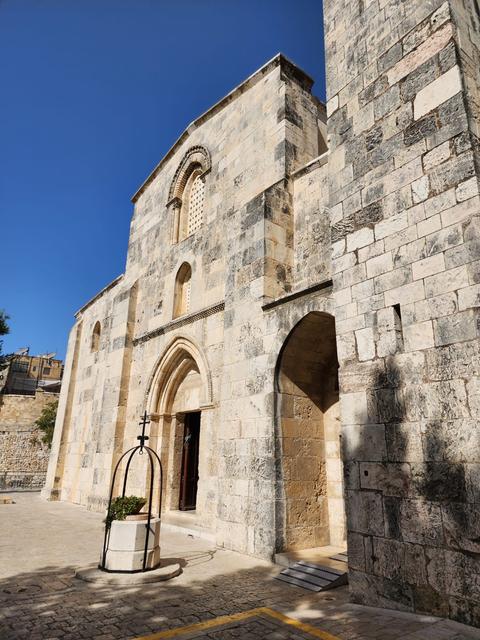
[[310, 510], [180, 356]]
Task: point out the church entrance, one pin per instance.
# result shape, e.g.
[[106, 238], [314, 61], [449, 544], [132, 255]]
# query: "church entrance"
[[189, 466], [310, 506]]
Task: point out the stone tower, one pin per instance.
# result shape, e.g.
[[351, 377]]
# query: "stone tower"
[[404, 114]]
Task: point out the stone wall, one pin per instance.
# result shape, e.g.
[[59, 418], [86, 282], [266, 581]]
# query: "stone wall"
[[311, 233], [23, 455], [405, 223], [247, 149]]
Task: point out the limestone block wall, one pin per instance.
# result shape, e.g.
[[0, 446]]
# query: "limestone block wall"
[[245, 249], [268, 128], [405, 214], [91, 412], [252, 509], [466, 17], [23, 455], [250, 250], [176, 372], [311, 245]]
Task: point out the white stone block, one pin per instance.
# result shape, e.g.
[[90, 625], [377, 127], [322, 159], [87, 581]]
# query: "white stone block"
[[469, 297], [430, 225], [439, 203], [130, 535], [450, 280], [437, 92], [353, 407], [436, 156], [421, 54], [467, 189], [346, 347], [391, 225], [342, 297], [460, 212], [359, 238], [365, 344], [332, 105], [338, 248], [131, 560], [420, 189], [363, 119], [428, 266], [405, 294], [380, 264], [418, 336]]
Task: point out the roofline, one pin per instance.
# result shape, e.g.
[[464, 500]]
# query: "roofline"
[[278, 60], [109, 286]]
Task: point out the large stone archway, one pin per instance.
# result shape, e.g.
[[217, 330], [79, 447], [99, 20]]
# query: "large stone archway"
[[310, 509], [180, 390]]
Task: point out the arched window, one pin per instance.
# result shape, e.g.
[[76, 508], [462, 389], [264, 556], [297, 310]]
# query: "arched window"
[[187, 193], [193, 213], [95, 345], [181, 302], [189, 211]]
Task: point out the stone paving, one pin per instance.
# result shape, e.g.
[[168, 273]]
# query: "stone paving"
[[42, 543]]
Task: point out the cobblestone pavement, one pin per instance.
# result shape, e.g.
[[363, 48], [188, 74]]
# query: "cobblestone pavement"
[[42, 543]]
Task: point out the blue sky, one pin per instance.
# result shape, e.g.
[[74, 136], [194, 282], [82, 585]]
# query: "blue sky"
[[94, 93]]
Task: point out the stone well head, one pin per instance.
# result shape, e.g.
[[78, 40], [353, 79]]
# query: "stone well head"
[[133, 546]]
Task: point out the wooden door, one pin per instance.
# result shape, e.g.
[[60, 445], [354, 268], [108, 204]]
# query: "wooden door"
[[189, 477]]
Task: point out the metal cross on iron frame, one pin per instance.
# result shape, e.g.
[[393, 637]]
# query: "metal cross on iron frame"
[[153, 460], [143, 423]]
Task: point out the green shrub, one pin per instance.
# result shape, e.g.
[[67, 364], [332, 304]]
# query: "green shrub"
[[46, 422], [122, 507]]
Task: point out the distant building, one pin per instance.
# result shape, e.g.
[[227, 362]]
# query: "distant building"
[[26, 373], [28, 384]]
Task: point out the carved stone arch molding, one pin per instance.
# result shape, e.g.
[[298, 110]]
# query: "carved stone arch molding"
[[169, 371], [196, 157]]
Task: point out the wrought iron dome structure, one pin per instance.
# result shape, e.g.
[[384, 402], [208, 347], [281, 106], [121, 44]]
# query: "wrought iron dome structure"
[[153, 457]]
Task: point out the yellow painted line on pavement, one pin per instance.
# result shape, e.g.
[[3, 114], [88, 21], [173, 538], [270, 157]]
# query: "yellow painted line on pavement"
[[235, 617], [303, 626]]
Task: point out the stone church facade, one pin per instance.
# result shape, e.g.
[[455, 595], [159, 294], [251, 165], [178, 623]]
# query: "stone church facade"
[[299, 315]]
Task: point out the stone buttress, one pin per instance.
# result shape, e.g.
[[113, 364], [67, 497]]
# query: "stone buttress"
[[403, 123]]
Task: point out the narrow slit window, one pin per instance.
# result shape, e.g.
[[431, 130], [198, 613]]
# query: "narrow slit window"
[[95, 344], [398, 326]]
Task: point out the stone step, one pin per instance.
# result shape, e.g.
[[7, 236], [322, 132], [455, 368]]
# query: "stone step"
[[178, 522], [340, 557], [313, 577]]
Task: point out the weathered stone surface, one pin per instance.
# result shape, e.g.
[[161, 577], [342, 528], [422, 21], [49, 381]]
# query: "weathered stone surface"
[[188, 327], [391, 215], [420, 388], [23, 455], [437, 92]]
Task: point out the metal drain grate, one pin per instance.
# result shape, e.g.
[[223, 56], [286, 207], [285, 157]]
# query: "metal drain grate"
[[314, 577]]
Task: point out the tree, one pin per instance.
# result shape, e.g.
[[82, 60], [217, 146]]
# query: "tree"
[[46, 422], [4, 328]]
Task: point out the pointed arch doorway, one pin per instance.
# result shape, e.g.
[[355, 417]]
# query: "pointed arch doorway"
[[179, 395], [310, 505]]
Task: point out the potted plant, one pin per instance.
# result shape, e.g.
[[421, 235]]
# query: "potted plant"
[[124, 507]]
